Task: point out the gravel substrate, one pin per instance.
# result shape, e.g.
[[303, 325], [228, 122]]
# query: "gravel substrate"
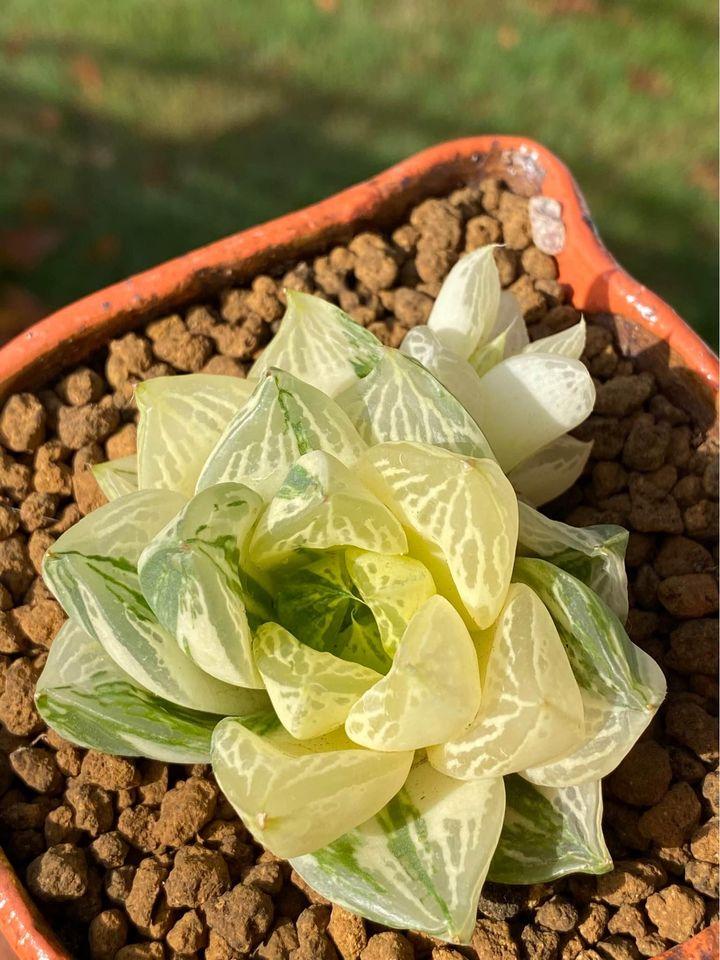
[[137, 859]]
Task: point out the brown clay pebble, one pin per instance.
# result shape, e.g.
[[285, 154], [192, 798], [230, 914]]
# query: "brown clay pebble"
[[141, 951], [107, 934], [629, 882], [17, 705], [185, 810], [242, 917], [59, 874], [557, 914], [644, 775], [677, 912], [197, 875], [92, 806], [493, 938], [109, 849], [36, 767], [22, 423], [111, 773], [388, 946], [689, 595], [347, 931], [671, 821]]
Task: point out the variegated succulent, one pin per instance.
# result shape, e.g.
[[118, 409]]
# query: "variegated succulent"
[[331, 582]]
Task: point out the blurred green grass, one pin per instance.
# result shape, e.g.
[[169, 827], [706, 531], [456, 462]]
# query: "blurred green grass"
[[133, 131]]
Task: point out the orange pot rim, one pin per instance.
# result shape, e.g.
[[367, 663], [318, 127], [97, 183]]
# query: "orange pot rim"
[[599, 284]]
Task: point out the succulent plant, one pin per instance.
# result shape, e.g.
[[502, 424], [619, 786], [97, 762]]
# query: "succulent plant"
[[322, 581]]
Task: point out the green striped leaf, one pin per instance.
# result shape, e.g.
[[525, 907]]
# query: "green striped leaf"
[[401, 400], [312, 691], [595, 555], [549, 833], [298, 795], [181, 420], [460, 515], [116, 478], [531, 709], [89, 700], [360, 641], [320, 344], [394, 588], [421, 862], [284, 419], [529, 400], [92, 570], [320, 506], [551, 470], [314, 602], [466, 308], [432, 691], [194, 574]]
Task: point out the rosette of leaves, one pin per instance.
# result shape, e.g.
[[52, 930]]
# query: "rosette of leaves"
[[322, 581]]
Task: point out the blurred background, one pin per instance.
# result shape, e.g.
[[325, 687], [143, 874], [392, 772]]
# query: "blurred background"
[[133, 131]]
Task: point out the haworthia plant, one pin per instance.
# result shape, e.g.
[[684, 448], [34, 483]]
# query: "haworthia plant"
[[330, 581]]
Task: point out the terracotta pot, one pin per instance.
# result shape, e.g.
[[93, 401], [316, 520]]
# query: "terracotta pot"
[[648, 329]]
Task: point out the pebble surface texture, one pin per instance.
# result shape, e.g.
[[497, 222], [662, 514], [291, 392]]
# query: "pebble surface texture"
[[138, 860]]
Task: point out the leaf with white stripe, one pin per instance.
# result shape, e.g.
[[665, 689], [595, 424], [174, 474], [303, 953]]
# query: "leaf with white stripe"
[[567, 343], [507, 337], [295, 796], [461, 516], [527, 401], [89, 700], [320, 344], [551, 470], [194, 574], [181, 420], [595, 555], [322, 505], [531, 709], [284, 419], [432, 691], [393, 587], [401, 400], [313, 603], [360, 641], [92, 571], [549, 833], [467, 305], [421, 862], [116, 478], [312, 691]]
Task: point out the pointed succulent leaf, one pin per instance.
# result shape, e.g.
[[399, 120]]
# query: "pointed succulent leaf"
[[313, 603], [283, 419], [432, 691], [451, 370], [507, 343], [320, 344], [530, 400], [322, 505], [181, 420], [566, 343], [89, 700], [393, 587], [595, 555], [298, 795], [117, 477], [551, 470], [466, 307], [531, 709], [312, 691], [92, 571], [401, 400], [461, 514], [360, 641], [549, 833], [421, 862], [193, 574]]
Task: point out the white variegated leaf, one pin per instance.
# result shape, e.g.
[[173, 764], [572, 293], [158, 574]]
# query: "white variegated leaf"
[[527, 401], [181, 419], [461, 518], [312, 691], [89, 700], [506, 344], [595, 555], [92, 570], [393, 587], [549, 832], [401, 400], [466, 308], [320, 344], [531, 709], [567, 343], [117, 477], [432, 691], [322, 505], [421, 862], [295, 796], [194, 575], [551, 470], [284, 419]]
